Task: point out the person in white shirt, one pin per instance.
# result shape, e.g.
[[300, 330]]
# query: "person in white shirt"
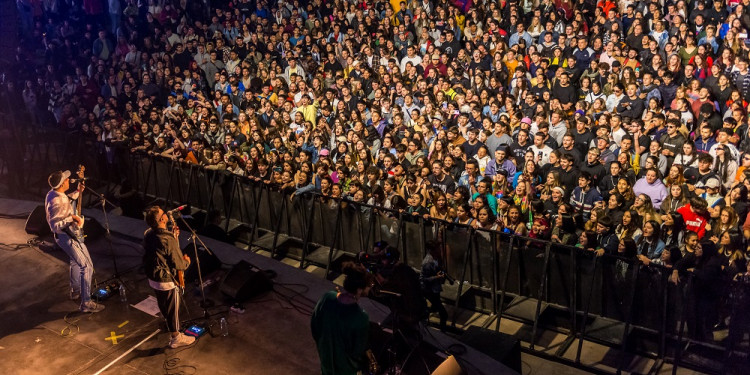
[[541, 151], [614, 98], [411, 56], [63, 223]]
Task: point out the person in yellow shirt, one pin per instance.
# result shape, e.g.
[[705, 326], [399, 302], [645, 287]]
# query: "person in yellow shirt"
[[269, 95], [309, 110], [448, 90]]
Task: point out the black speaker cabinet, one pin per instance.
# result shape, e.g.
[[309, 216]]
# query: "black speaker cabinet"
[[36, 223], [209, 262], [93, 229], [503, 348], [243, 282]]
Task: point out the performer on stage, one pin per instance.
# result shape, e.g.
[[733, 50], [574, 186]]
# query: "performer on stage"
[[162, 261], [63, 223], [340, 326]]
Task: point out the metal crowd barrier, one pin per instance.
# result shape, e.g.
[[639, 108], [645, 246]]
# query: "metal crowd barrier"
[[609, 300]]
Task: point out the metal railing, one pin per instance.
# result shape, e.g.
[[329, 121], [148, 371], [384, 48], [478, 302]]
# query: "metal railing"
[[610, 300]]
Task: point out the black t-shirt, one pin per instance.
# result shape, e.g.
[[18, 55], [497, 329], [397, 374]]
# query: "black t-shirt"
[[447, 184], [583, 140], [519, 151], [565, 94], [332, 67], [469, 149], [577, 156], [569, 180], [673, 143]]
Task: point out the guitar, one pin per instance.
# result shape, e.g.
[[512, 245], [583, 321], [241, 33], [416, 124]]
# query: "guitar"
[[373, 366], [180, 275], [77, 230]]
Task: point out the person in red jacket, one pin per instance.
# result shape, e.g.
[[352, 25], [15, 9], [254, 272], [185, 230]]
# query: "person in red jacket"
[[694, 214]]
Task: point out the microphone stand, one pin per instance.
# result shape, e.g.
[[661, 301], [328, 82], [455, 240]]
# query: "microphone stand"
[[205, 303], [104, 203]]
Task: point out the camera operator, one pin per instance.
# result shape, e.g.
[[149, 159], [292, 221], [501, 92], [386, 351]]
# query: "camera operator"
[[397, 286], [432, 279]]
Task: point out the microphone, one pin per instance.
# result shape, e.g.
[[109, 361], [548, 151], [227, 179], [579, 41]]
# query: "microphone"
[[177, 210]]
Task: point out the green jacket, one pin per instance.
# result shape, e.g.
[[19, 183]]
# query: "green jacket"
[[341, 335]]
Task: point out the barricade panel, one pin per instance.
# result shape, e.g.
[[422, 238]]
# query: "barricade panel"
[[616, 286], [530, 266], [481, 274], [350, 227], [198, 189], [298, 211], [560, 277], [386, 229], [413, 245], [457, 241], [179, 182], [222, 187], [589, 276], [648, 301], [265, 209], [324, 222]]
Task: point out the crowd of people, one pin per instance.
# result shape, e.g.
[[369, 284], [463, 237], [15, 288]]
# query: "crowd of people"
[[619, 127]]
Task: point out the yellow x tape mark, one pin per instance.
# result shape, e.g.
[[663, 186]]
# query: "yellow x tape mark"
[[113, 337]]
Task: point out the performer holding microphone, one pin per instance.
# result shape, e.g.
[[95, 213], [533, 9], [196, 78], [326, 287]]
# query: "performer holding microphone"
[[164, 264]]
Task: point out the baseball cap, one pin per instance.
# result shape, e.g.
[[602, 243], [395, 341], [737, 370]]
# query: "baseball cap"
[[324, 152], [712, 183], [526, 120], [56, 178]]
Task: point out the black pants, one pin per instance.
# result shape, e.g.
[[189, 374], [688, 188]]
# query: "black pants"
[[436, 305], [169, 305]]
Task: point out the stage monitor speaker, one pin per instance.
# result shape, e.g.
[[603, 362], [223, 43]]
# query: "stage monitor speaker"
[[243, 282], [36, 223], [209, 262], [503, 348], [92, 229]]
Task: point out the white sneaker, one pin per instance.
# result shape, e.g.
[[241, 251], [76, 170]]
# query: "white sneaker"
[[181, 340], [91, 307]]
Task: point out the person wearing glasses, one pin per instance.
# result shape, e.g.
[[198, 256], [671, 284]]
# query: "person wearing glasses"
[[614, 99], [672, 141]]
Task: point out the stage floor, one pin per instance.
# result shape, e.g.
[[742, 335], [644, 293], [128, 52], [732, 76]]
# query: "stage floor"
[[43, 332]]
